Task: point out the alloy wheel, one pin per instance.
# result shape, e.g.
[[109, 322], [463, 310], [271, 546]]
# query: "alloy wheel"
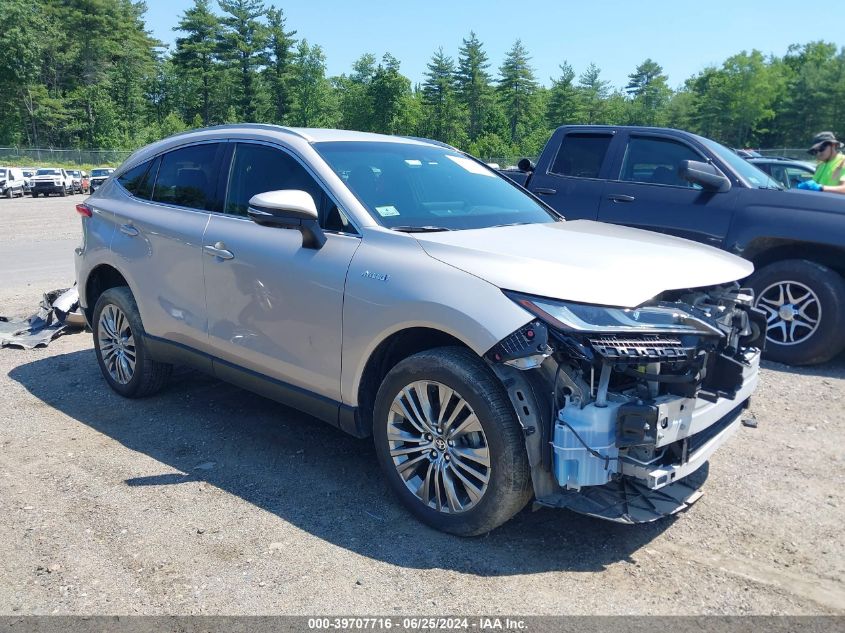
[[117, 344], [793, 312], [438, 447]]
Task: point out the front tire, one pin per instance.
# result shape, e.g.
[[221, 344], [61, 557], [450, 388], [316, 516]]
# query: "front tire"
[[120, 347], [449, 442], [804, 304]]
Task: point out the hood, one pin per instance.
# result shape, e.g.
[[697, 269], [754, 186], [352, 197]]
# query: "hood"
[[584, 261]]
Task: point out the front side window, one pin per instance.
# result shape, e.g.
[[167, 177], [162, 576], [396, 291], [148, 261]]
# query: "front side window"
[[581, 155], [412, 186], [187, 177], [656, 161], [260, 168]]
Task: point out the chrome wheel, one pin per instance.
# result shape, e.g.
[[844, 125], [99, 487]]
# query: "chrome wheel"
[[793, 312], [117, 344], [438, 447]]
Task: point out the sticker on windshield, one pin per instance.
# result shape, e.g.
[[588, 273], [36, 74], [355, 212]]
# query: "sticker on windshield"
[[470, 165], [387, 211]]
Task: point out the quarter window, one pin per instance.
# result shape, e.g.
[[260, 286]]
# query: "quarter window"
[[139, 180], [581, 155], [260, 168], [656, 161], [187, 177]]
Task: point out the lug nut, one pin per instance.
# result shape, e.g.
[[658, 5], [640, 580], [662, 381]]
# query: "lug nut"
[[451, 442], [446, 457], [429, 436]]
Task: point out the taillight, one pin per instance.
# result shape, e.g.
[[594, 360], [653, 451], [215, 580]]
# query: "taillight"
[[84, 209]]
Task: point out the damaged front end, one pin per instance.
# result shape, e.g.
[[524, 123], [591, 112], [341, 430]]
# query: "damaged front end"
[[622, 408]]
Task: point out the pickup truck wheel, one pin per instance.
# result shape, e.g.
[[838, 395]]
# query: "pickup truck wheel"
[[804, 304], [10, 193], [63, 192], [449, 442], [120, 348]]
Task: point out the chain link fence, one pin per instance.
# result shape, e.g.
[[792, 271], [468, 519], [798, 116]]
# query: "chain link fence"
[[26, 156], [36, 157]]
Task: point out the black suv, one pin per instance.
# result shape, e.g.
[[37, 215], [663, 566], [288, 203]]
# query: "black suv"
[[682, 184]]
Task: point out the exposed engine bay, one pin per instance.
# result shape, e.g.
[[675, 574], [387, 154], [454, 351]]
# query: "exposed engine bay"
[[622, 408]]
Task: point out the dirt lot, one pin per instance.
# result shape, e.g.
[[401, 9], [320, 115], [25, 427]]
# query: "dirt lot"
[[208, 499]]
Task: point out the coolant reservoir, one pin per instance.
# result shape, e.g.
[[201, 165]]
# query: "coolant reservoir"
[[574, 465]]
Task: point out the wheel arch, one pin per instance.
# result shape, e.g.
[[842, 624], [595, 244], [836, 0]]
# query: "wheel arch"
[[101, 278], [393, 349], [770, 250]]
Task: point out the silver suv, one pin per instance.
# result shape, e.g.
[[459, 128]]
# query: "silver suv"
[[398, 288]]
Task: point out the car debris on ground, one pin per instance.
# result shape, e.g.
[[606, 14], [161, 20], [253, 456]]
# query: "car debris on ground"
[[57, 313]]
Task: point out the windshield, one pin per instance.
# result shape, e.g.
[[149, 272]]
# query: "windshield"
[[49, 172], [408, 186], [100, 172], [28, 172], [753, 176], [73, 173], [2, 173]]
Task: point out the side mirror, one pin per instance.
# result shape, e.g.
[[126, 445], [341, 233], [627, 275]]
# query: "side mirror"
[[525, 165], [704, 174], [288, 209]]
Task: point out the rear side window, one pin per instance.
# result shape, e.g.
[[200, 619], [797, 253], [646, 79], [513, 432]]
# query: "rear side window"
[[187, 177], [656, 161], [581, 155]]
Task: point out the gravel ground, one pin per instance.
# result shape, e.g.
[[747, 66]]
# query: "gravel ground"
[[206, 499]]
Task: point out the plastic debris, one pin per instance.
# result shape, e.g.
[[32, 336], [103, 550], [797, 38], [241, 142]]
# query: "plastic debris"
[[57, 312]]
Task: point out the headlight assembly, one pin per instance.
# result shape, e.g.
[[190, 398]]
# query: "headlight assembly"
[[587, 318]]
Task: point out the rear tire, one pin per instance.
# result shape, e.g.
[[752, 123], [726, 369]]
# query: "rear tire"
[[804, 303], [429, 463], [34, 195], [120, 346]]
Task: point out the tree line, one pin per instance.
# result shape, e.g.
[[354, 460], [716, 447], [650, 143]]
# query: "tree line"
[[87, 74]]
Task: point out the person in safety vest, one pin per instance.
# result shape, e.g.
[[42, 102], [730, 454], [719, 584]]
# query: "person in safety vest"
[[830, 173]]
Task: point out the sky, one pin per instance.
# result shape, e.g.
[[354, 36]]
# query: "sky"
[[683, 37]]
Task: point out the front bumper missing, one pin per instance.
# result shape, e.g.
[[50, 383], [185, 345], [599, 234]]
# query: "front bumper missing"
[[660, 476], [689, 431]]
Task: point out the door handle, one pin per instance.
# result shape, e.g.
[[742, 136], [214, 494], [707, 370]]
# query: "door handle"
[[621, 198], [218, 250], [128, 229], [545, 191]]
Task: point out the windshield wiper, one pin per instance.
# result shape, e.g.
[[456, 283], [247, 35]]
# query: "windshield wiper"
[[419, 229]]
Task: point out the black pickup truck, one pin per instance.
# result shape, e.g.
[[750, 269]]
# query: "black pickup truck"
[[682, 184]]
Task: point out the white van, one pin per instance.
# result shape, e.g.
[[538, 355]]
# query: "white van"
[[11, 182]]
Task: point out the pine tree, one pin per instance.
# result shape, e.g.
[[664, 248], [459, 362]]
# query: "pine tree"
[[593, 92], [440, 100], [563, 106], [649, 92], [279, 43], [473, 84], [517, 88], [243, 42], [196, 53]]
